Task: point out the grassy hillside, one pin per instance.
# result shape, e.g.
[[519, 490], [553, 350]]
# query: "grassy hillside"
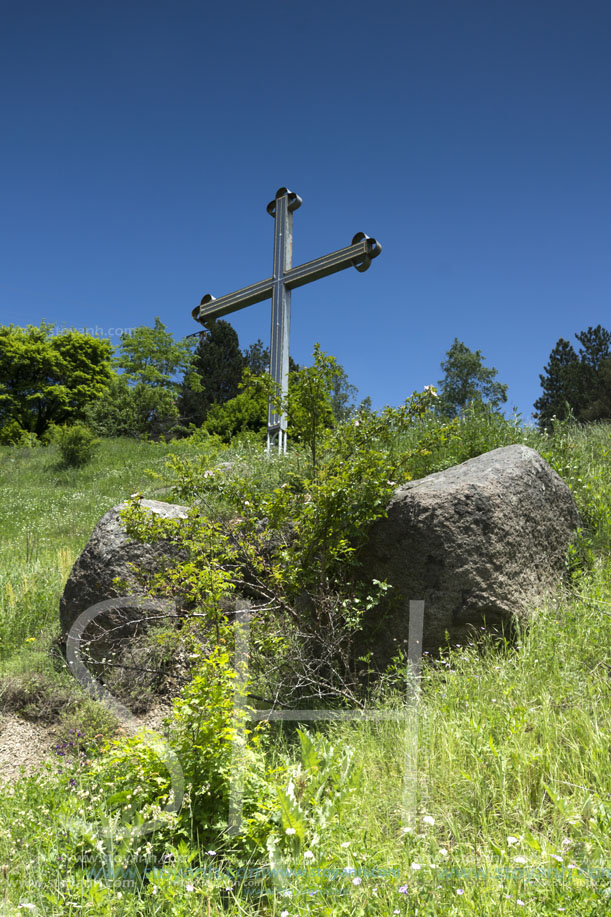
[[491, 795], [47, 513]]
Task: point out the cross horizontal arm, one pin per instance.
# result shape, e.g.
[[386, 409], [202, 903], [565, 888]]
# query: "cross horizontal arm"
[[248, 296], [357, 255]]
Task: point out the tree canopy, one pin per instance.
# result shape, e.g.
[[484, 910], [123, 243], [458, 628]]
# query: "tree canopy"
[[152, 356], [218, 365], [577, 383], [256, 359], [48, 378], [59, 378], [142, 401], [310, 400], [466, 379]]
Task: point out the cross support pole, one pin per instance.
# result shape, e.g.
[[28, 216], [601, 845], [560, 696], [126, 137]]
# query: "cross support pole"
[[278, 287]]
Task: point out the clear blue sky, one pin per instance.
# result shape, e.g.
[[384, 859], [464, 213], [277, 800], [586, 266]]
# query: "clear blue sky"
[[142, 141]]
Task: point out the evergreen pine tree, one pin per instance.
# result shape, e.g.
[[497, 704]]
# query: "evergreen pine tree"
[[577, 384], [560, 383], [599, 408], [256, 358], [219, 364]]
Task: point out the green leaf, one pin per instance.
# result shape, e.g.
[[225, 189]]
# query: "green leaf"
[[291, 814]]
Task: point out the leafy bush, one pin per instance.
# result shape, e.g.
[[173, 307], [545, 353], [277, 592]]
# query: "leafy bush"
[[247, 412], [207, 743], [513, 743], [12, 434], [137, 410], [76, 444], [581, 455], [310, 400], [49, 376], [292, 546]]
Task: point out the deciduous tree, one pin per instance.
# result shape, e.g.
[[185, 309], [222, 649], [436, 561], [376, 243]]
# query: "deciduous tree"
[[49, 378], [152, 362], [466, 379], [310, 400]]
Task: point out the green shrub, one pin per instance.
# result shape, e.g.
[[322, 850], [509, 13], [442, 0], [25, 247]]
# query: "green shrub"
[[138, 410], [511, 794], [208, 739], [437, 443], [12, 434], [244, 413], [294, 543], [76, 444], [581, 455]]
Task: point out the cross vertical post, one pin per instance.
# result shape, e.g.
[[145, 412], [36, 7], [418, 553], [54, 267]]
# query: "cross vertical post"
[[278, 287], [282, 211]]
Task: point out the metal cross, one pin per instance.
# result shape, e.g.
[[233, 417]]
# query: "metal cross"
[[284, 279]]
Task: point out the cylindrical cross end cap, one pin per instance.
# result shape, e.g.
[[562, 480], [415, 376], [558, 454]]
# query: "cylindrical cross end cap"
[[373, 250], [208, 298], [294, 201]]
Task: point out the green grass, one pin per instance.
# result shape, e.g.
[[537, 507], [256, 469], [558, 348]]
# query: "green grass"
[[513, 785], [47, 513]]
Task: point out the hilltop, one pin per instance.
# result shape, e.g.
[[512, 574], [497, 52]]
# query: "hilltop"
[[510, 802]]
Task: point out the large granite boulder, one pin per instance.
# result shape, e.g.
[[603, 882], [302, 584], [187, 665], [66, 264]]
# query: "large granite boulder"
[[109, 554], [481, 543]]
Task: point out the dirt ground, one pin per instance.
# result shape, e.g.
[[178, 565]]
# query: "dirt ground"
[[26, 747]]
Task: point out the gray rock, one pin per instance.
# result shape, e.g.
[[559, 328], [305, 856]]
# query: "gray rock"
[[107, 555], [480, 543]]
